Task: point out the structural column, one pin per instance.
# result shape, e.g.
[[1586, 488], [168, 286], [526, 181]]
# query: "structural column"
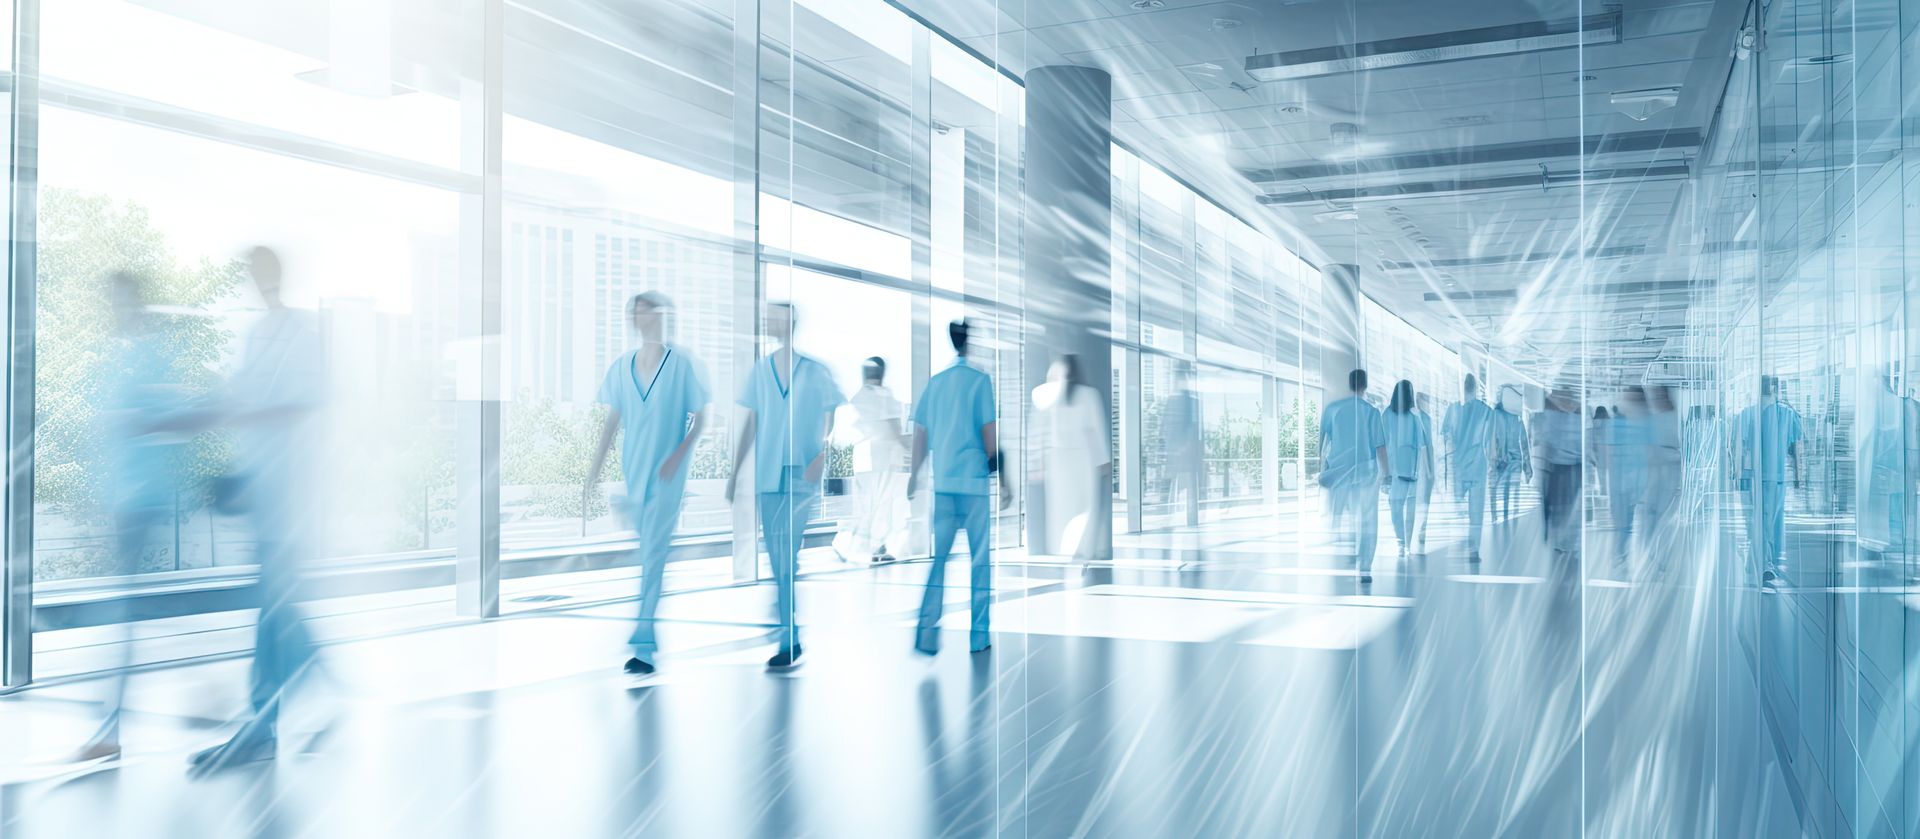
[[476, 568], [23, 171], [1339, 327], [1067, 241]]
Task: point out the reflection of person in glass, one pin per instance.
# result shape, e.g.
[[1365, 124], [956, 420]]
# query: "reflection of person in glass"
[[1353, 460], [657, 401], [142, 388], [1181, 442], [789, 400], [1409, 453], [1769, 441], [874, 534], [1469, 433], [1073, 460], [1512, 452], [1661, 436], [1556, 436], [954, 426], [1891, 453], [273, 407]]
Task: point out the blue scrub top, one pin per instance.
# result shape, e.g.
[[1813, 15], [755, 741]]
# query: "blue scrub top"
[[1350, 431], [1766, 431], [654, 416], [958, 404], [1406, 439], [142, 390], [1510, 432], [790, 418], [1469, 430]]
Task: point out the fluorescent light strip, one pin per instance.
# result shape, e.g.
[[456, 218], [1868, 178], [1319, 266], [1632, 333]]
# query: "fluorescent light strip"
[[1512, 39]]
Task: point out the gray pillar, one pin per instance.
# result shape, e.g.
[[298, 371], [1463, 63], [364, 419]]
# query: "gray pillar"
[[1067, 237], [1340, 327]]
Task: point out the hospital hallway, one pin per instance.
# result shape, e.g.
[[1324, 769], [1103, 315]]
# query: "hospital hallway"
[[1224, 680]]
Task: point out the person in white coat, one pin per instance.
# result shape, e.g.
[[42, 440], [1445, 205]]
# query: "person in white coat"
[[1074, 460], [879, 472]]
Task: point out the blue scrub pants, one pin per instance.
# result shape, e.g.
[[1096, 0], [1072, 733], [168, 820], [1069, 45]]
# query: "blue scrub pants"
[[1475, 489], [654, 521], [1400, 500], [282, 646], [1359, 500], [784, 516], [952, 512], [1769, 511]]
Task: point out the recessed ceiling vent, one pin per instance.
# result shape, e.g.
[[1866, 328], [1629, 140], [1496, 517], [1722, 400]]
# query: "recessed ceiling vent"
[[1486, 42]]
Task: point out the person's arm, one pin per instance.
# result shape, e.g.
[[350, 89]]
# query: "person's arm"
[[607, 430], [1380, 454], [679, 455], [919, 458], [989, 440], [740, 449], [818, 467]]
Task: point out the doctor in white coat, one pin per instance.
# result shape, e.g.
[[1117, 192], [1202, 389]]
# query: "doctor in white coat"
[[1073, 461]]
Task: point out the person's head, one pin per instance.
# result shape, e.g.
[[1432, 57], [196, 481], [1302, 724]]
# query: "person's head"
[[780, 321], [1065, 370], [1357, 381], [1600, 412], [957, 333], [874, 371], [1769, 387], [647, 311], [1402, 401], [127, 294], [1470, 386], [264, 265], [1632, 403]]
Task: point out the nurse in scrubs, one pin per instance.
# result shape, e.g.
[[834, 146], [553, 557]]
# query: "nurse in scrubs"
[[789, 401], [657, 402]]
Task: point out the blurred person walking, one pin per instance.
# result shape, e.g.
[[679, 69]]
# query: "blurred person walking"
[[1513, 452], [1182, 444], [789, 400], [1409, 454], [274, 407], [875, 533], [143, 390], [1073, 461], [1626, 467], [1469, 433], [1768, 445], [656, 402], [1429, 476], [1556, 437], [956, 428], [1661, 437], [1353, 462]]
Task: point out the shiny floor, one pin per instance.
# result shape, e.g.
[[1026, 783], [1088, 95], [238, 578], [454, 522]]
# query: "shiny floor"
[[1228, 680]]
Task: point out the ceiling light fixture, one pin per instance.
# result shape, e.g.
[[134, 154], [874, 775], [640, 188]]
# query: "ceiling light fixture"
[[1144, 5], [1222, 24], [1638, 105], [1337, 215], [1512, 39], [1468, 119]]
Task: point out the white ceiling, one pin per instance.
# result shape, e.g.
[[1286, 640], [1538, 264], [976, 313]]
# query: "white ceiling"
[[1447, 167]]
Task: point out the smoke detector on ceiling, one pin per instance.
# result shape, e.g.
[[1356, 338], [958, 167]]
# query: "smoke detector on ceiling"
[[1638, 105]]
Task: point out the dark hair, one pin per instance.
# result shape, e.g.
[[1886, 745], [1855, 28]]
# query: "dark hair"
[[1402, 401], [874, 370], [1471, 383], [1072, 363], [1357, 381], [957, 333], [1600, 412], [1769, 385]]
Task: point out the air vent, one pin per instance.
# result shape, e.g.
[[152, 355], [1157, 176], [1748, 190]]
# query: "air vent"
[[1487, 42]]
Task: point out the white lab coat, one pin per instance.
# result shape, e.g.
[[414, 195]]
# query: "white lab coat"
[[1073, 447]]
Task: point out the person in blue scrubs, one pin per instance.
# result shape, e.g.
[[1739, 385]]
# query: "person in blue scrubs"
[[1353, 460], [1409, 451], [657, 401], [1769, 434], [954, 425], [789, 400], [143, 388], [1626, 465], [1469, 433], [1513, 452]]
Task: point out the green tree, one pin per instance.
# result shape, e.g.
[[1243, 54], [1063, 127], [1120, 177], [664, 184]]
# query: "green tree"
[[84, 238], [547, 451]]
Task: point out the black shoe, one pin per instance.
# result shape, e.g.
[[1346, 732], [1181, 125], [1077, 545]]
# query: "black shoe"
[[636, 667], [1366, 579], [1769, 579], [786, 659]]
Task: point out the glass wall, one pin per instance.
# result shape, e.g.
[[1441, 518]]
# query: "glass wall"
[[465, 196]]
